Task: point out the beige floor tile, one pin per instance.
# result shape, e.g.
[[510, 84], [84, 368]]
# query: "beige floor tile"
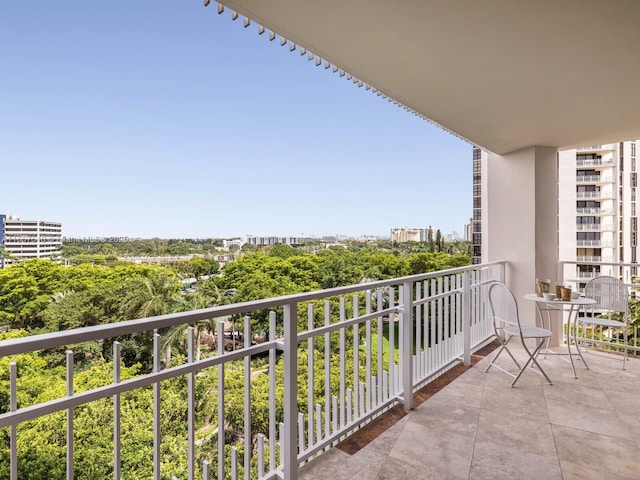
[[441, 414], [516, 432], [593, 451], [602, 421], [460, 393], [442, 451], [573, 471], [496, 462], [397, 470], [523, 401]]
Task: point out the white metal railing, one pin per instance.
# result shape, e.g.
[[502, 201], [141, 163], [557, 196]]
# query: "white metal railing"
[[604, 340], [588, 243], [437, 320], [594, 162], [589, 258], [595, 211], [597, 194], [594, 179]]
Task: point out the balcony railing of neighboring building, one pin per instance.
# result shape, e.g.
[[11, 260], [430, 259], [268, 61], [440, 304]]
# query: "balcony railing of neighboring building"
[[587, 275], [585, 258], [439, 320], [590, 243], [594, 162], [594, 179], [599, 195], [594, 227], [594, 211]]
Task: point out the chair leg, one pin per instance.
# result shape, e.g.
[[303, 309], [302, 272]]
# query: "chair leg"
[[503, 347], [532, 358], [625, 358]]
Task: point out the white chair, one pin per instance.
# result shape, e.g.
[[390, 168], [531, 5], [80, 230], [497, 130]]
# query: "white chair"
[[611, 296], [506, 325]]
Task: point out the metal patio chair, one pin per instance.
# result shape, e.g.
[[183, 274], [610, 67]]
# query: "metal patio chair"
[[611, 296], [506, 325]]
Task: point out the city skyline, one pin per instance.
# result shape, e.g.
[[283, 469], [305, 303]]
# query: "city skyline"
[[173, 121]]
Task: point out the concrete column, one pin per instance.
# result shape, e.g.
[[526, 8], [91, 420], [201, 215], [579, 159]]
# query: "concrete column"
[[520, 222]]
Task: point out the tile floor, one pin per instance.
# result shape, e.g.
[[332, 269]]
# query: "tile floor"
[[472, 425]]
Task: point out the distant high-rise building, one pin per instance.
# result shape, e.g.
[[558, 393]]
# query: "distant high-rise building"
[[597, 211], [475, 235], [25, 239]]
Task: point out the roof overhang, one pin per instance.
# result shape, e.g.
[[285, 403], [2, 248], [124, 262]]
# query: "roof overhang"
[[503, 74]]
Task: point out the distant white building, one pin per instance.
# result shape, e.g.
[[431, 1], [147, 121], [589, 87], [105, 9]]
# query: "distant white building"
[[25, 239], [407, 234]]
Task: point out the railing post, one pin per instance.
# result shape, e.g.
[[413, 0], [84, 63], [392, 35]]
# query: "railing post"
[[407, 347], [290, 450], [466, 318]]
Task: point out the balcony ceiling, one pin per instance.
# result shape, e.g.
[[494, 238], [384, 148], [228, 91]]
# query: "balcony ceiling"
[[504, 74]]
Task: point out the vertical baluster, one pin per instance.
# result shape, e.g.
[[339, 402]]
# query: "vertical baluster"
[[191, 400], [156, 407], [220, 337], [448, 333], [206, 474], [466, 318], [356, 357], [407, 345], [116, 413], [349, 405], [70, 474], [260, 455], [327, 370], [318, 422], [234, 464], [376, 389], [441, 320], [272, 393], [401, 365], [368, 390], [290, 390], [281, 443], [247, 398], [434, 325], [13, 406], [426, 366], [418, 338], [385, 386], [380, 306], [301, 432], [392, 342], [310, 374], [334, 410], [342, 363]]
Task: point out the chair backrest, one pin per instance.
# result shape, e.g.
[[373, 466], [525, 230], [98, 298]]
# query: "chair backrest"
[[609, 293], [504, 307]]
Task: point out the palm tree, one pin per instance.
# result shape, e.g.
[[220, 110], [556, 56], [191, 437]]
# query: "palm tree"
[[206, 295], [156, 294]]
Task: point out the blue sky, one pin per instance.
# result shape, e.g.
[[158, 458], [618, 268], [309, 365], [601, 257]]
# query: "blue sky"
[[163, 118]]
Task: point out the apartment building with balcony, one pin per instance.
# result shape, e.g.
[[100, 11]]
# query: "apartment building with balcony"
[[26, 239], [597, 217]]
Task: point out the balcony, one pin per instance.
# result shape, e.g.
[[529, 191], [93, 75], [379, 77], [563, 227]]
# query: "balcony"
[[336, 338], [475, 427]]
